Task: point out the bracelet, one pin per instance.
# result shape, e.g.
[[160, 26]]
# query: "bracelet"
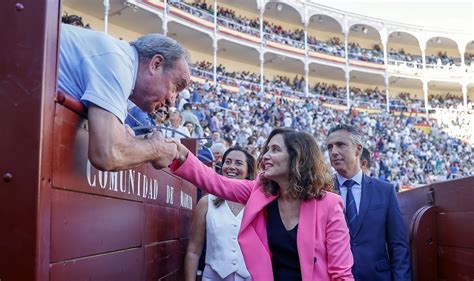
[[199, 272]]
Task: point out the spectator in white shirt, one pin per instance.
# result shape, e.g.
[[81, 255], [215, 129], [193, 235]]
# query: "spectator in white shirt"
[[178, 131]]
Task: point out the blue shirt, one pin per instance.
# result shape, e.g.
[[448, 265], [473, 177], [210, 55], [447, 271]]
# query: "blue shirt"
[[356, 188], [95, 67], [136, 118]]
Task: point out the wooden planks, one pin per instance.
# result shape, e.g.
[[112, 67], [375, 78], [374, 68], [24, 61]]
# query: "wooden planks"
[[84, 225], [123, 265]]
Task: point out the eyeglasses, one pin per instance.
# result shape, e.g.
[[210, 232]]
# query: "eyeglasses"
[[162, 111]]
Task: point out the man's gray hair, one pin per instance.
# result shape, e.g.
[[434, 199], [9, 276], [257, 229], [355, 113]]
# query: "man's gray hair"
[[176, 112], [156, 44], [218, 147], [356, 134]]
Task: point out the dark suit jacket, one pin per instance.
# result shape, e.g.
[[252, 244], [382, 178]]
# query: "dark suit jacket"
[[379, 242]]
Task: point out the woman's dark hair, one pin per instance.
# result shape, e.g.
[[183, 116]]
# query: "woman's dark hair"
[[188, 122], [251, 167], [309, 175]]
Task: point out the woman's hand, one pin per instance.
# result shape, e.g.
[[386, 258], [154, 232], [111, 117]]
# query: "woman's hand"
[[182, 150], [168, 151]]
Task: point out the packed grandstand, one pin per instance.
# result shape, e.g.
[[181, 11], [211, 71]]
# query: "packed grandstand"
[[253, 72]]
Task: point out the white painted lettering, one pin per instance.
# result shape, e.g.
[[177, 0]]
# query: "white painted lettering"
[[103, 179], [121, 186], [155, 189], [113, 181], [138, 184], [89, 172], [169, 194], [145, 186], [186, 200], [128, 181], [131, 181]]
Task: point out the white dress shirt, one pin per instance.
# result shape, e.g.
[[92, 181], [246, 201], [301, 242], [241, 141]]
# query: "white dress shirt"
[[356, 188]]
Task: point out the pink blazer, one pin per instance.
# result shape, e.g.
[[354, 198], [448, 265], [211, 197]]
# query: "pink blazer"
[[322, 240]]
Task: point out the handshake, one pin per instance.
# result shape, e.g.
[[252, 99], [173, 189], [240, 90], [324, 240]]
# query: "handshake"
[[168, 150]]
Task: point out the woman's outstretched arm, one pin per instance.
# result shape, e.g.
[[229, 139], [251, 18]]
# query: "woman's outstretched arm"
[[188, 167]]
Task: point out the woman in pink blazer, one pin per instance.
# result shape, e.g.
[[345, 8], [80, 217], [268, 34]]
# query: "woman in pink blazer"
[[293, 227]]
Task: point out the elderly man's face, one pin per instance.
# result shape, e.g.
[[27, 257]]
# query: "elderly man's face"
[[175, 119], [156, 86]]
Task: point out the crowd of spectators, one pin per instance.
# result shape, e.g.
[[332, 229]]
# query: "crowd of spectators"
[[334, 46], [228, 18], [407, 58], [441, 59], [457, 123], [401, 152], [329, 93], [277, 33], [406, 103], [283, 85], [468, 58], [448, 101], [196, 8], [374, 55], [370, 98]]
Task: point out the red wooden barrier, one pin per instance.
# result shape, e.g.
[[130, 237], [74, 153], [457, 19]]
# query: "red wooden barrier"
[[60, 218], [441, 222]]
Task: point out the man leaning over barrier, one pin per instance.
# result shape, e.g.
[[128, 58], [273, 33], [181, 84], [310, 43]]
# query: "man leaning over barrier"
[[103, 73]]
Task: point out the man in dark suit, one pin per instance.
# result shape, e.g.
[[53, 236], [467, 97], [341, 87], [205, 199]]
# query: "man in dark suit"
[[378, 235]]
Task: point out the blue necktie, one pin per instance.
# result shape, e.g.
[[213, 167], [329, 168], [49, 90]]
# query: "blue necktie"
[[351, 208]]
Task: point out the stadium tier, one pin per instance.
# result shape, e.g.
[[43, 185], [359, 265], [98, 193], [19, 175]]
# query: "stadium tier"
[[261, 65]]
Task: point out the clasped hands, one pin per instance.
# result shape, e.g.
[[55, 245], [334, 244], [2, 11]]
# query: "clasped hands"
[[169, 150]]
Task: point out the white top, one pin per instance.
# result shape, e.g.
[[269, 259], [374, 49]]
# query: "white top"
[[223, 252], [176, 136]]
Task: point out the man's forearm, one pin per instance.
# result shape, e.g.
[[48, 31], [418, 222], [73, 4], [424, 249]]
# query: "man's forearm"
[[112, 147], [123, 153]]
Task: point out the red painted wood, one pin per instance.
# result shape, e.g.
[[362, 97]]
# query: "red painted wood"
[[161, 224], [86, 224], [190, 144], [411, 201], [118, 266], [442, 232], [456, 264], [163, 258], [462, 223], [71, 103], [424, 244], [455, 195], [27, 68], [169, 188]]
